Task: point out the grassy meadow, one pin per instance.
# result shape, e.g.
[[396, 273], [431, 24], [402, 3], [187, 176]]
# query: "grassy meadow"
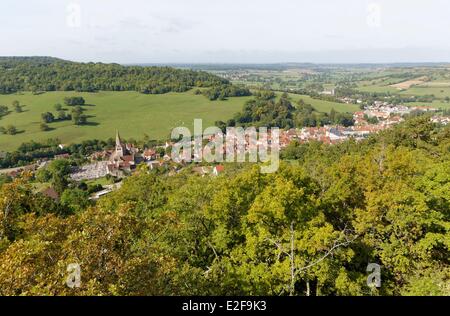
[[132, 113], [326, 106], [440, 89]]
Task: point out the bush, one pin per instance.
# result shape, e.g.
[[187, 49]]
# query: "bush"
[[44, 127], [11, 130], [72, 101], [47, 117]]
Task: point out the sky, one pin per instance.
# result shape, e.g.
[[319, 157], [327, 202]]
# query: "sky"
[[227, 31]]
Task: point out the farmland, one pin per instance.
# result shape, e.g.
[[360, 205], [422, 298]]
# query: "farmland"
[[325, 106]]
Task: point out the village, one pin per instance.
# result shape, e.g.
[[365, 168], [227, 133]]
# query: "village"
[[372, 119], [121, 161]]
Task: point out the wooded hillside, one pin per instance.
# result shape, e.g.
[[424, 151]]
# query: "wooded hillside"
[[51, 74]]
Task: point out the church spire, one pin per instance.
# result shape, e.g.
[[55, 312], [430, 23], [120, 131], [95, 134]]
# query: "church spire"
[[118, 141]]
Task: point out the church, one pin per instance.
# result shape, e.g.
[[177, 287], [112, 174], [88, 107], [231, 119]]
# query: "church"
[[123, 159]]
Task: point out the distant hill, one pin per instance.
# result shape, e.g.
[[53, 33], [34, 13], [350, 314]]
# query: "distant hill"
[[287, 66], [13, 61], [53, 74]]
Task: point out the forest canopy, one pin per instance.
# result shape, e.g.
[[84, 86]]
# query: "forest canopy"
[[51, 74], [311, 228]]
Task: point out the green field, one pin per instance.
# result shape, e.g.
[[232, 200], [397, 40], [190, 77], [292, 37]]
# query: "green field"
[[377, 87], [438, 92], [326, 106], [435, 104], [132, 113]]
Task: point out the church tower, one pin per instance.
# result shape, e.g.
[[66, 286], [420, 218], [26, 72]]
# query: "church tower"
[[120, 148]]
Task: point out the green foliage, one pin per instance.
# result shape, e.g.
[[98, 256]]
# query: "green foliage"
[[75, 200], [17, 107], [4, 110], [224, 91], [309, 229], [264, 110], [72, 101], [9, 130], [37, 74], [47, 117], [44, 127], [59, 170], [78, 118], [31, 151], [307, 116], [108, 113], [62, 115], [4, 179]]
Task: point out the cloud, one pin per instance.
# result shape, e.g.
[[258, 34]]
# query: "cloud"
[[201, 29]]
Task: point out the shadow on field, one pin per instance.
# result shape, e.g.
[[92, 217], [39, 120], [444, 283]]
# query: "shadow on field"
[[91, 124]]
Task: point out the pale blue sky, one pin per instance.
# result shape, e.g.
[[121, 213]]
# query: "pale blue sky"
[[257, 31]]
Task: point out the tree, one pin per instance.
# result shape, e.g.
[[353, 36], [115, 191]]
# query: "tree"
[[79, 119], [15, 200], [58, 107], [309, 229], [3, 110], [59, 170], [11, 130], [332, 115], [77, 110], [43, 175], [77, 116], [44, 74], [371, 120], [17, 107], [75, 199], [4, 179], [222, 125], [63, 116], [44, 127], [47, 117], [73, 101]]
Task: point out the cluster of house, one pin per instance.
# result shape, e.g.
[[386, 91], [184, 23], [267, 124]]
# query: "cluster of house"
[[329, 134], [385, 113], [122, 160], [384, 110], [443, 120], [348, 100]]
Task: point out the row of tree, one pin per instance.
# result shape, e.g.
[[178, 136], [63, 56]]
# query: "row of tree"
[[76, 116], [4, 110], [31, 151], [223, 92]]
